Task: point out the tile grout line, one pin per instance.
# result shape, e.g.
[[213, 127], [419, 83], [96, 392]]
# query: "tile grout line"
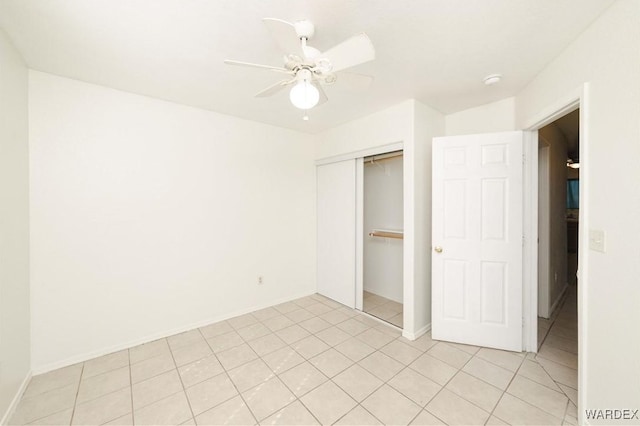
[[530, 404], [405, 367], [226, 372], [75, 401], [133, 415], [331, 379], [69, 384], [115, 391], [42, 393], [296, 398], [505, 391], [299, 399], [359, 403], [542, 384], [558, 384], [527, 402], [566, 409], [449, 381], [184, 390]]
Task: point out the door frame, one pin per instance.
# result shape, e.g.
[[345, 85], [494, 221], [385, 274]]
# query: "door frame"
[[578, 98]]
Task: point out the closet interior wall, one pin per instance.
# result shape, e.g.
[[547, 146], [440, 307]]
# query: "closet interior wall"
[[383, 255]]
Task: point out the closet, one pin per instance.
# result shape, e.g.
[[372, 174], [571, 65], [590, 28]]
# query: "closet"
[[360, 233], [383, 237]]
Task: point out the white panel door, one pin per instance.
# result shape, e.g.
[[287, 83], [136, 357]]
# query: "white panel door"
[[336, 189], [477, 240]]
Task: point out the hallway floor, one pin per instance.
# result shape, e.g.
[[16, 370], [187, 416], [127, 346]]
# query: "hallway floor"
[[312, 361]]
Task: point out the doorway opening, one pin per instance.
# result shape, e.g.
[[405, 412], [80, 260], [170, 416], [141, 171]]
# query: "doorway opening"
[[383, 237], [558, 224]]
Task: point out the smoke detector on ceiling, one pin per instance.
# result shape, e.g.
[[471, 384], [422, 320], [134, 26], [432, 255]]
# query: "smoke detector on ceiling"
[[492, 79]]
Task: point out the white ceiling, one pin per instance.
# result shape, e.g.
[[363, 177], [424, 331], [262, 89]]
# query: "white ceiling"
[[436, 51]]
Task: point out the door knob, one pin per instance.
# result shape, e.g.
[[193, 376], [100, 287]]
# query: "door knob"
[[437, 249]]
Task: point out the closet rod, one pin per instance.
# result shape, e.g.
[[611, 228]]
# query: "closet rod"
[[387, 234], [386, 156]]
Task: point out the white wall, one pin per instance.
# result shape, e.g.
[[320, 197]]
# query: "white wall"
[[428, 123], [415, 125], [383, 209], [544, 233], [557, 212], [388, 126], [606, 56], [497, 116], [14, 224], [150, 217]]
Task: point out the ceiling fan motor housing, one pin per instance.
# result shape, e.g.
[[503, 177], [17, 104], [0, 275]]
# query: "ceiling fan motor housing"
[[304, 29], [304, 74]]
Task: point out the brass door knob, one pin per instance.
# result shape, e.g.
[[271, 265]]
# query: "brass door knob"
[[437, 249]]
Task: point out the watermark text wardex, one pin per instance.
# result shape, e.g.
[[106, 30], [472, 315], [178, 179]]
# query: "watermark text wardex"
[[625, 414]]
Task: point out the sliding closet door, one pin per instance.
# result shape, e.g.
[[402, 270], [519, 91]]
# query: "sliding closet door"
[[336, 189]]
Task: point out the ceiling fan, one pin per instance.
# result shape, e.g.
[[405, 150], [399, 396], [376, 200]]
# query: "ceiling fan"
[[307, 69]]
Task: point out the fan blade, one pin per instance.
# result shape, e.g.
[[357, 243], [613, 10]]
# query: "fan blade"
[[351, 52], [323, 95], [285, 35], [249, 64], [275, 88], [355, 81]]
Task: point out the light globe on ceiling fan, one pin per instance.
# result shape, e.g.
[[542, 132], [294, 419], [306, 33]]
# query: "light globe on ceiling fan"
[[304, 95], [308, 68]]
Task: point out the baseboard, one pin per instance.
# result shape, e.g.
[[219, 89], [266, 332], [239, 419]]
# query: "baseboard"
[[386, 296], [150, 338], [16, 399], [417, 334], [558, 300]]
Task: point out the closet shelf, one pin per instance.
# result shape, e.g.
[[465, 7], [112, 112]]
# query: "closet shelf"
[[386, 233]]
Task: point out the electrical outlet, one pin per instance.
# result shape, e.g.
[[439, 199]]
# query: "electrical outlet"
[[259, 279]]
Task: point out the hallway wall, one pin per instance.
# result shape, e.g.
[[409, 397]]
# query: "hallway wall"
[[15, 333], [557, 256]]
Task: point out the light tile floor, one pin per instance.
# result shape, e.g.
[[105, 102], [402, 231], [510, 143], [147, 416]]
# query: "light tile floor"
[[311, 361], [383, 308]]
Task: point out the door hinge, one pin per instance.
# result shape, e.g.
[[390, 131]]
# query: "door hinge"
[[523, 241]]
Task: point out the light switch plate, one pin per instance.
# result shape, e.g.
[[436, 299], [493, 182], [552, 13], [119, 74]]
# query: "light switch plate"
[[597, 240]]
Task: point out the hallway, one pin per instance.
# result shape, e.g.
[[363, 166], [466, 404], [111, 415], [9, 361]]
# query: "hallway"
[[558, 346]]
